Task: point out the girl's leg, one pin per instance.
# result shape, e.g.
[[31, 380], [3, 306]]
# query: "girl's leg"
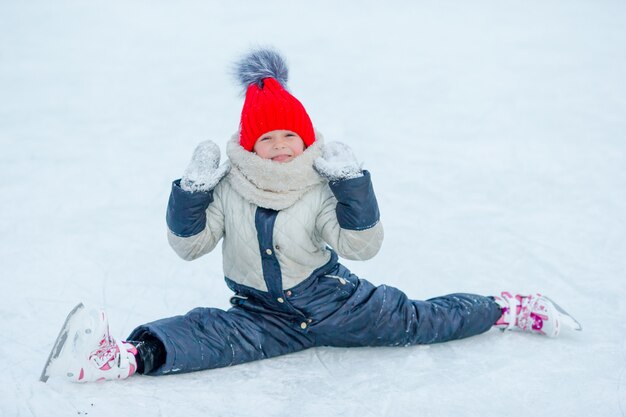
[[384, 316], [208, 338], [150, 352]]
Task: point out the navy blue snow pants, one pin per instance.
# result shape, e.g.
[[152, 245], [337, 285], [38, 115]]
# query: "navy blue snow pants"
[[332, 308]]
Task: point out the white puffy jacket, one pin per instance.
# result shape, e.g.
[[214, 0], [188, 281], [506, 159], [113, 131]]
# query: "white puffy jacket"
[[301, 232]]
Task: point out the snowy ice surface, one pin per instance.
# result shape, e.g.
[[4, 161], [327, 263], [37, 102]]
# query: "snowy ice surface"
[[495, 135]]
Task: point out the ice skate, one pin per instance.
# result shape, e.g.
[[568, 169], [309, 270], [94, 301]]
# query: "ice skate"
[[85, 351], [533, 313]]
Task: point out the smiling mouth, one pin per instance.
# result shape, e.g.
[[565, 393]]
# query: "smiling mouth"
[[281, 158]]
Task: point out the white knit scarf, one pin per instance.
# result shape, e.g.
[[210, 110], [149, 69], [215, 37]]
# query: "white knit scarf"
[[270, 184]]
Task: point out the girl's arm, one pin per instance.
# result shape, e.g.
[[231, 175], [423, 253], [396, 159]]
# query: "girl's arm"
[[195, 217], [349, 220], [195, 221]]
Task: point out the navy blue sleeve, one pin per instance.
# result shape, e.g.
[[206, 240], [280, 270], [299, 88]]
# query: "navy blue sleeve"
[[357, 208], [186, 211]]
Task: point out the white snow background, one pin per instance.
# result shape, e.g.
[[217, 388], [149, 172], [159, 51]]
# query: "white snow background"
[[495, 135]]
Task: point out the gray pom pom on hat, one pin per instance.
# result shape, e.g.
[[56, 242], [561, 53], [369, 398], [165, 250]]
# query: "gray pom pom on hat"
[[260, 64]]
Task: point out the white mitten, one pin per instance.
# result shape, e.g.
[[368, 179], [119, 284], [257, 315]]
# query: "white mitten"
[[338, 162], [204, 171]]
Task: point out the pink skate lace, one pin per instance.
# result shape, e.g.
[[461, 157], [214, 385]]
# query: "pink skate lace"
[[528, 316], [108, 356]]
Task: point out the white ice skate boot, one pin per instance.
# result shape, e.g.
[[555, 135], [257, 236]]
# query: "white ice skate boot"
[[85, 351], [533, 313]]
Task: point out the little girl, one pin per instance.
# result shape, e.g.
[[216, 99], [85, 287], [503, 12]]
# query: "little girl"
[[286, 206]]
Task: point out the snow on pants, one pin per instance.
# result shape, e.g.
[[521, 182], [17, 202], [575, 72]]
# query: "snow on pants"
[[333, 308]]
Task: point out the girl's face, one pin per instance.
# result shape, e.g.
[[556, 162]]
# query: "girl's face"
[[279, 145]]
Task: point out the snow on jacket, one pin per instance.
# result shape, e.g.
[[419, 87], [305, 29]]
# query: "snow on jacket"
[[284, 211]]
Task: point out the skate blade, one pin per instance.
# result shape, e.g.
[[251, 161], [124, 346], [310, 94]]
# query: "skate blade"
[[59, 343], [565, 317]]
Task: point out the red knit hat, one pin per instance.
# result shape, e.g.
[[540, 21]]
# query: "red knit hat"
[[268, 105]]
